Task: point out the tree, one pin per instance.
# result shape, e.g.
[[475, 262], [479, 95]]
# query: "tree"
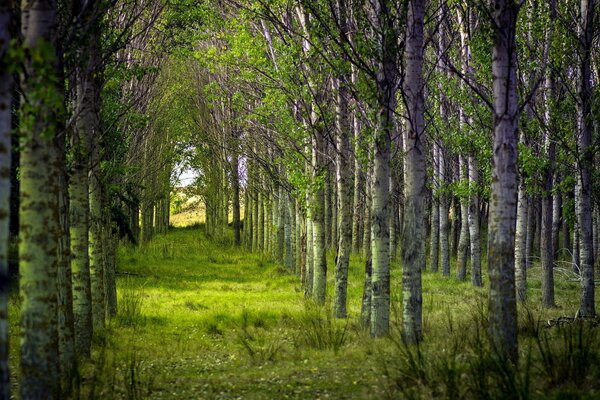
[[501, 228], [413, 233], [5, 163], [585, 159], [39, 214]]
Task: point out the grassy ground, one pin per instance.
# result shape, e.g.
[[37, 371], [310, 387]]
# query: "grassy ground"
[[206, 320]]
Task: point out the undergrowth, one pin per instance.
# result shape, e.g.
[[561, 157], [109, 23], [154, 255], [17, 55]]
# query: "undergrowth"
[[200, 319]]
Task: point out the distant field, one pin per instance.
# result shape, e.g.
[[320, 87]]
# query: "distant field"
[[191, 211]]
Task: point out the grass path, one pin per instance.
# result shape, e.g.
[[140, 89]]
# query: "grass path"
[[199, 320]]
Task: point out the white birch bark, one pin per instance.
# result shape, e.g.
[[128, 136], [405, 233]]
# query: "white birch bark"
[[502, 213], [38, 212], [584, 141], [413, 232]]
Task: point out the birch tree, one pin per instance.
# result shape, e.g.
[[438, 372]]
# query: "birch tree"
[[501, 235], [39, 223]]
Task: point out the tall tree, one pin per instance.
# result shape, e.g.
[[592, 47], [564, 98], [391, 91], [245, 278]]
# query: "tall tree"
[[383, 20], [39, 214], [585, 159], [5, 162], [413, 233], [502, 214], [343, 177]]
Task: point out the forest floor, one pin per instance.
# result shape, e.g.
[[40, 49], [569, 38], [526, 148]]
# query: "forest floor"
[[205, 320]]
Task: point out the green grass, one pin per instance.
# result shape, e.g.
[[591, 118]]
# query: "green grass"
[[199, 319]]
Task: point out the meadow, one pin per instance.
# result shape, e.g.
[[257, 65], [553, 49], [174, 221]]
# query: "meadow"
[[199, 319]]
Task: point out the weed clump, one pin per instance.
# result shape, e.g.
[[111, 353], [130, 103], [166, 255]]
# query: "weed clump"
[[130, 304], [318, 329]]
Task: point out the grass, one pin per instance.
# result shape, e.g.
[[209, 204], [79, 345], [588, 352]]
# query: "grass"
[[204, 320]]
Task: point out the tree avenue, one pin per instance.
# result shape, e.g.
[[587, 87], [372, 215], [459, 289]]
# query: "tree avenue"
[[407, 166]]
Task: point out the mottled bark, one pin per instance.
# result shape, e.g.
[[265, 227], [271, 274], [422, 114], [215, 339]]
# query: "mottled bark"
[[435, 214], [474, 223], [281, 225], [502, 214], [66, 327], [39, 214], [521, 243], [556, 219], [463, 241], [344, 189], [5, 189], [444, 221], [289, 230], [110, 264], [79, 213], [413, 232], [583, 206], [386, 77], [546, 238], [96, 233], [235, 185], [318, 223]]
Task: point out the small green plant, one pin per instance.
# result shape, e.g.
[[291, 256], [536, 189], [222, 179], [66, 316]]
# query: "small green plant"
[[320, 330], [138, 384], [568, 352], [130, 304], [251, 336]]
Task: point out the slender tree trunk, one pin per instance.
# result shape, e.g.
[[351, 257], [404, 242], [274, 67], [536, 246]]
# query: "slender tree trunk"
[[309, 268], [413, 233], [435, 214], [521, 243], [474, 223], [546, 239], [502, 214], [473, 168], [235, 184], [282, 223], [367, 296], [344, 188], [444, 222], [318, 222], [585, 161], [66, 328], [463, 242], [79, 216], [289, 230], [6, 93], [556, 220], [39, 214], [530, 230]]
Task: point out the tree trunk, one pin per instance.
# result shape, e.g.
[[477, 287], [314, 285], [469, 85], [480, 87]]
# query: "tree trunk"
[[546, 239], [413, 232], [521, 243], [585, 161], [6, 92], [79, 213], [435, 213], [66, 328], [318, 222], [556, 220], [39, 214], [235, 184], [502, 214], [463, 242], [344, 185], [474, 222], [444, 222]]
